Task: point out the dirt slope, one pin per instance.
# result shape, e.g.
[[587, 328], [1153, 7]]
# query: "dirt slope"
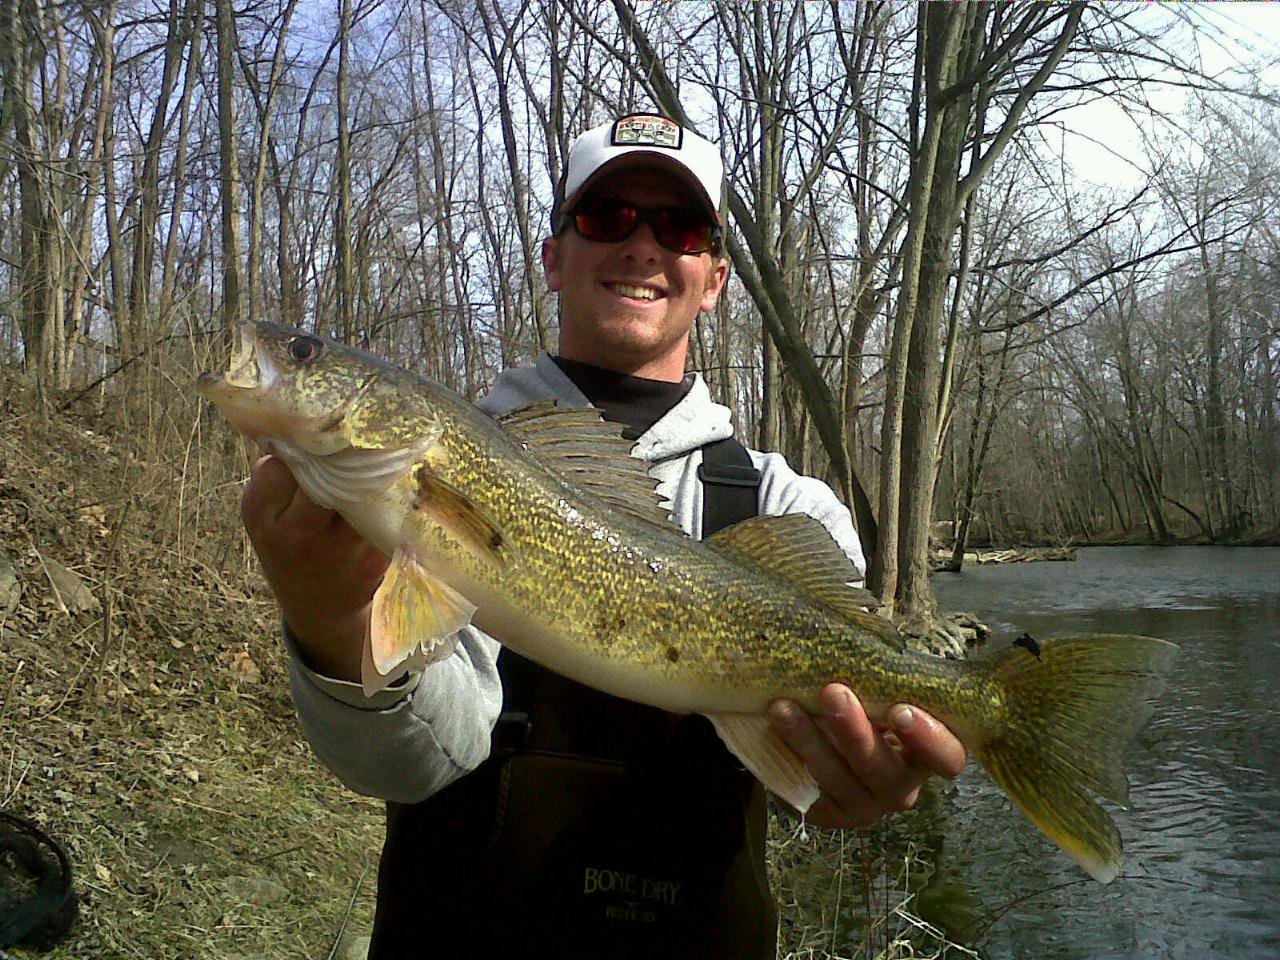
[[149, 727]]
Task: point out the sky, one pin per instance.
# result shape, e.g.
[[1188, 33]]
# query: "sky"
[[1105, 145]]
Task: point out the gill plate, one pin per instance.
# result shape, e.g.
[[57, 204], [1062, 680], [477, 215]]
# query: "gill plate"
[[352, 475]]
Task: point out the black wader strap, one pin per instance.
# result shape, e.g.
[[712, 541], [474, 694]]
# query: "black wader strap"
[[515, 722], [730, 485], [730, 493]]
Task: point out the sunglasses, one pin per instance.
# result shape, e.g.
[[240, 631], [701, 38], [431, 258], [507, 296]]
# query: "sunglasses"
[[680, 231]]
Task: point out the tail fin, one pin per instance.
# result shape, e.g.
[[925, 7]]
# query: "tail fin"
[[1073, 707]]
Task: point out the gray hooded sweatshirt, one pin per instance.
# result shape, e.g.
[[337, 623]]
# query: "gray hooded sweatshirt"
[[418, 736]]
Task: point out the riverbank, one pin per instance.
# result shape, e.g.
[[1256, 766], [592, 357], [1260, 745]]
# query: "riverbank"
[[145, 717], [943, 559]]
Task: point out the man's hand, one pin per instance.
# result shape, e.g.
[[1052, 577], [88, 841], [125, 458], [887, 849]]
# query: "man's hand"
[[863, 775], [322, 572]]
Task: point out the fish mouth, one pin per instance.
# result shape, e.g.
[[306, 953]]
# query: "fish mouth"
[[249, 368], [255, 397], [242, 394]]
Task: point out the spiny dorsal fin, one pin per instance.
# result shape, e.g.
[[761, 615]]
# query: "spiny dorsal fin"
[[800, 550], [589, 452]]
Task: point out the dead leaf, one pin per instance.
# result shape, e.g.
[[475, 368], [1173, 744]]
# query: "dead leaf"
[[243, 667], [96, 517], [70, 592]]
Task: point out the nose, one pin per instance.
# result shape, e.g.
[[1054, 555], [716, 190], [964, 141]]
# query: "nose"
[[642, 244]]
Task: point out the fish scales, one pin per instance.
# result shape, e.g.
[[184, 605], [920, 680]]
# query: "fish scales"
[[715, 615]]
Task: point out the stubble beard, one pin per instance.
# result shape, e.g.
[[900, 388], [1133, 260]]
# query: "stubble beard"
[[640, 339]]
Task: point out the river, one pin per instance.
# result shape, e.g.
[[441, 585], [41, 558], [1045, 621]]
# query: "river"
[[1202, 834]]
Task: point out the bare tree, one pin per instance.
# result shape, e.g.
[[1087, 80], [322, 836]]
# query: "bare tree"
[[229, 164]]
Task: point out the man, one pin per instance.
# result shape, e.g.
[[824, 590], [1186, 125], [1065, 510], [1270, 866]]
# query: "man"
[[580, 825]]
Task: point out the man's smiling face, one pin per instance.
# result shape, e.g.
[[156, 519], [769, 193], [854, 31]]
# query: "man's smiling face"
[[629, 306]]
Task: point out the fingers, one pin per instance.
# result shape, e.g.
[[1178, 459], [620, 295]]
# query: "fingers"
[[303, 513], [926, 742], [861, 746], [270, 489], [273, 497], [843, 795], [862, 772], [323, 574]]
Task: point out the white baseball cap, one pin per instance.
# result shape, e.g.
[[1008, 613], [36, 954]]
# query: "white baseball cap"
[[692, 158]]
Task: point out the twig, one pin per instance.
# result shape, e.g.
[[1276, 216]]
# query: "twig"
[[203, 806], [8, 694], [333, 951], [108, 612], [10, 794], [277, 853], [997, 915], [48, 575], [835, 920], [123, 366]]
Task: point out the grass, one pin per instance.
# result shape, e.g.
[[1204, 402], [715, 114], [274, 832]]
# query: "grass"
[[154, 736], [850, 895]]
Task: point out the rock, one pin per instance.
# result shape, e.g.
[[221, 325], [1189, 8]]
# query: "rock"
[[71, 592], [10, 588], [254, 890]]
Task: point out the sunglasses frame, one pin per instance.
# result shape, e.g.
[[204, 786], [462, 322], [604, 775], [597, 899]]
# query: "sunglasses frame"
[[643, 216]]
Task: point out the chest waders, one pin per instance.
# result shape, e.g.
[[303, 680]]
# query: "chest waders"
[[597, 828]]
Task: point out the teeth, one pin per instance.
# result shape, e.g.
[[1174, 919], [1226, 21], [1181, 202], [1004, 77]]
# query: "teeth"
[[638, 293], [243, 370]]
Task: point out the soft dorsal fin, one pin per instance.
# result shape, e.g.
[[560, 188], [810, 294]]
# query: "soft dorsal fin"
[[800, 550], [589, 452]]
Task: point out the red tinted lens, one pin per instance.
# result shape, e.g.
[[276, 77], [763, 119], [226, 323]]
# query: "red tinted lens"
[[681, 231], [605, 222]]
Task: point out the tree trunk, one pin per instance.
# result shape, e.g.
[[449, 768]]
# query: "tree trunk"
[[34, 233], [229, 166], [936, 53], [342, 224]]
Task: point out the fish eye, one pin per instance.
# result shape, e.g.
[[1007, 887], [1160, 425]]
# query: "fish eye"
[[303, 349]]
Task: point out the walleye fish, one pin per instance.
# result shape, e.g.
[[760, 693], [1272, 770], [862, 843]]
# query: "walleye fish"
[[542, 530]]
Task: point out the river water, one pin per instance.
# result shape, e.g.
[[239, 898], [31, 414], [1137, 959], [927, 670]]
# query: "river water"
[[1202, 834]]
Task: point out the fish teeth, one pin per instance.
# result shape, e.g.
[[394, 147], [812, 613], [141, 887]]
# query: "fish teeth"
[[246, 368]]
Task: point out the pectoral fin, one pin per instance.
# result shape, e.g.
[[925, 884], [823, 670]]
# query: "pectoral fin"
[[750, 738], [465, 520], [413, 622]]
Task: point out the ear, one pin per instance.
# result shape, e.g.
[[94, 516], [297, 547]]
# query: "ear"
[[551, 264], [717, 277]]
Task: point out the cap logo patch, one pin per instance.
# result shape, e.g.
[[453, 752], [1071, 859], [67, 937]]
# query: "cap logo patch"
[[647, 130]]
